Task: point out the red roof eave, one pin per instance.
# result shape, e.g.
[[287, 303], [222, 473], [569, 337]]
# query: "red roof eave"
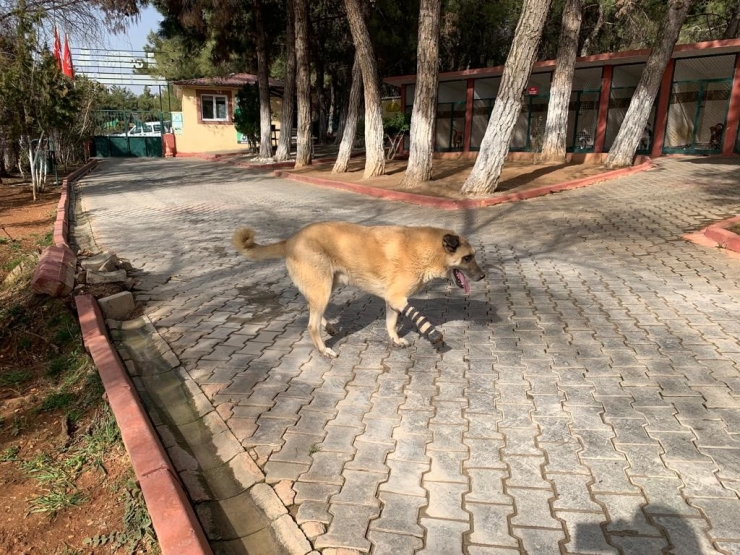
[[629, 56]]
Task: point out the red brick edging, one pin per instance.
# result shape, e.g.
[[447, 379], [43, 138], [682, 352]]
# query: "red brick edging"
[[724, 237], [55, 272], [449, 204], [178, 530], [61, 226]]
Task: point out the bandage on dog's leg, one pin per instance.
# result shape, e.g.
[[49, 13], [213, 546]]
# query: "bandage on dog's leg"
[[422, 324]]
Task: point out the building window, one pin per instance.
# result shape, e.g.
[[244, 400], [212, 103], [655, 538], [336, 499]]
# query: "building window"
[[214, 107]]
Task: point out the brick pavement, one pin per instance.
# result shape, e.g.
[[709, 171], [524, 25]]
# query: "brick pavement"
[[588, 400]]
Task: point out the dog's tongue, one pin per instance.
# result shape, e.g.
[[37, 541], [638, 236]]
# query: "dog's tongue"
[[463, 280]]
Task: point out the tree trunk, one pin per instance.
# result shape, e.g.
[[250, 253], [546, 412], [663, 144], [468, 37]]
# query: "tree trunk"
[[350, 125], [556, 127], [286, 116], [495, 145], [594, 32], [263, 76], [303, 85], [374, 154], [733, 26], [625, 145], [332, 108], [321, 97], [423, 115], [343, 107]]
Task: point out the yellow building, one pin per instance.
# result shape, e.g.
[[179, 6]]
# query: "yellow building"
[[207, 121]]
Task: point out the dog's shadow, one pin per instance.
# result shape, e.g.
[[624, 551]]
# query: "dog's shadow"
[[369, 311]]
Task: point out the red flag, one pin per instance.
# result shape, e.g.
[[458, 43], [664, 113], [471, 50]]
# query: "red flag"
[[67, 67], [57, 49]]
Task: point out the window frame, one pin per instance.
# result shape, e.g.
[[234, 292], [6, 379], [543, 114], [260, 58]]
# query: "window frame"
[[213, 97]]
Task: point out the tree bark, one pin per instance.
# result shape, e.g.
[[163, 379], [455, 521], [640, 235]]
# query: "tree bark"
[[622, 152], [374, 153], [332, 108], [594, 32], [263, 80], [321, 97], [303, 85], [556, 127], [733, 26], [350, 124], [423, 115], [484, 177], [286, 116]]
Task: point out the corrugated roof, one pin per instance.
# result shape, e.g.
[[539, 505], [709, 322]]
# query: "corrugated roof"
[[235, 80]]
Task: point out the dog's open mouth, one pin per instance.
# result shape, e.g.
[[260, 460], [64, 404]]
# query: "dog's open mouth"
[[460, 280]]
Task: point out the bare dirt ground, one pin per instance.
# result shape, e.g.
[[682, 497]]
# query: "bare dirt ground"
[[449, 175], [66, 479]]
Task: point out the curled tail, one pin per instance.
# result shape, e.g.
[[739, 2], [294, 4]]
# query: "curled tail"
[[243, 240]]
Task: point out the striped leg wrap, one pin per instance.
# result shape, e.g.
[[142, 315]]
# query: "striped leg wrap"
[[422, 324]]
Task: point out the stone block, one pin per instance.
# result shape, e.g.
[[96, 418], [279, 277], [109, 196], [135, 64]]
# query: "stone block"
[[105, 261], [118, 306], [94, 277]]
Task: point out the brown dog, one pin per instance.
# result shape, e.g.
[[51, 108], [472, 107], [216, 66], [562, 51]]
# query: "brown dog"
[[392, 262]]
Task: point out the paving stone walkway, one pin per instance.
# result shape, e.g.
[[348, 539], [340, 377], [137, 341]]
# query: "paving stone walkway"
[[587, 400]]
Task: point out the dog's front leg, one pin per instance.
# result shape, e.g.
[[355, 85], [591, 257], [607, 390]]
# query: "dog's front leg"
[[391, 320], [424, 326]]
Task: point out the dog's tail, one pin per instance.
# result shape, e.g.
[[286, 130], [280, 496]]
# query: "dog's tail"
[[243, 240]]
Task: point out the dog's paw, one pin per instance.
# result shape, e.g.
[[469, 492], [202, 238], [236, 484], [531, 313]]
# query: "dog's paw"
[[328, 353], [402, 343], [435, 337], [330, 329]]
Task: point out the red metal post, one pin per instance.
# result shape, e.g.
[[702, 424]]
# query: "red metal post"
[[468, 115], [661, 112], [733, 113], [606, 87]]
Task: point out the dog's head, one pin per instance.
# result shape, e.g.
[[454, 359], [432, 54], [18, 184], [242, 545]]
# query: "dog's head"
[[461, 261]]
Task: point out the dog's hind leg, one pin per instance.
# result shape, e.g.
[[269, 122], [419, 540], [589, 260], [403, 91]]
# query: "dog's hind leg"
[[328, 326], [316, 286], [391, 319]]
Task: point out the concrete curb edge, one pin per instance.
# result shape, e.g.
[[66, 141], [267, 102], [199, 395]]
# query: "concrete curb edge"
[[724, 237], [449, 204], [178, 530]]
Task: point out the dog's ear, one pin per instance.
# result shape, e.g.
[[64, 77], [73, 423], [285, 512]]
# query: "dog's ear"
[[451, 242]]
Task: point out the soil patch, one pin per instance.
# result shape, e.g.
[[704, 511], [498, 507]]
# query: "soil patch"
[[734, 229], [66, 480], [449, 175]]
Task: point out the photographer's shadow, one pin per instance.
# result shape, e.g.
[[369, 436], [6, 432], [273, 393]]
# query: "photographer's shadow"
[[661, 530]]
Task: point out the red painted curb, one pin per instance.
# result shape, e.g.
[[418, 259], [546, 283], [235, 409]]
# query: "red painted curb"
[[61, 225], [55, 272], [178, 530], [724, 237], [449, 204]]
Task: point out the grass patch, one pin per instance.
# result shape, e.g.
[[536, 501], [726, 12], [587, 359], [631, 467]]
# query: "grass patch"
[[56, 401], [735, 229], [47, 240], [137, 525], [12, 264], [14, 378], [57, 474], [10, 454]]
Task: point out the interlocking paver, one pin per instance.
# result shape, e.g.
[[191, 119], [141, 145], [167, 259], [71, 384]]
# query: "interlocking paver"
[[596, 369]]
